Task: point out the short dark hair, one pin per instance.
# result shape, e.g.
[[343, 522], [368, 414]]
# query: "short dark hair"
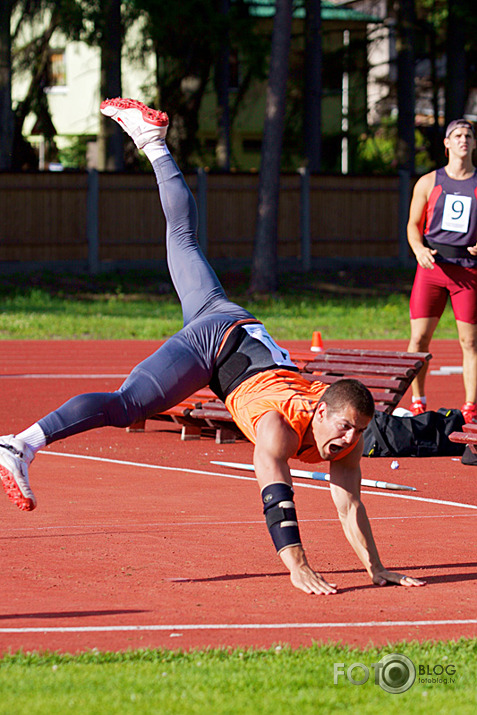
[[349, 391]]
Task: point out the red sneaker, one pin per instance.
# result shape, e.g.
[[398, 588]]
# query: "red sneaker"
[[418, 407], [142, 123], [15, 458], [469, 412]]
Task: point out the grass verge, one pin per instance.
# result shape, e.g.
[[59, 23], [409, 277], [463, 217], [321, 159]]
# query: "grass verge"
[[278, 680], [347, 305]]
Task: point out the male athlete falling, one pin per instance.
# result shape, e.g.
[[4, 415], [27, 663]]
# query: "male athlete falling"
[[224, 346]]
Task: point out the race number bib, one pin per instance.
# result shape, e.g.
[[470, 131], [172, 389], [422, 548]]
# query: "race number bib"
[[456, 215], [280, 355]]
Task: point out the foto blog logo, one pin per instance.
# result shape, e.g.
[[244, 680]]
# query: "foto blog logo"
[[394, 673]]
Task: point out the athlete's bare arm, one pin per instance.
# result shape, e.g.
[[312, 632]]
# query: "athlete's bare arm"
[[345, 485], [276, 443], [422, 191]]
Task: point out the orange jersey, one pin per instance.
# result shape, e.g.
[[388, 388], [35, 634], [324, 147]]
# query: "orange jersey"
[[283, 391]]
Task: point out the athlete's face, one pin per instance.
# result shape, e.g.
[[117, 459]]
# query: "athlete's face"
[[460, 142], [335, 431]]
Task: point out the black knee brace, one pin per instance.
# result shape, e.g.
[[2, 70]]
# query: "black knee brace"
[[280, 515]]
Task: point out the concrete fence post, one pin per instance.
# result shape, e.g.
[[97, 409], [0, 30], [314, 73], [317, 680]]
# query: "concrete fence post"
[[92, 221], [202, 208], [305, 237], [403, 216]]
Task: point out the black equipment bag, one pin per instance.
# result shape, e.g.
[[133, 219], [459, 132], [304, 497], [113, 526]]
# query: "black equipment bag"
[[425, 435]]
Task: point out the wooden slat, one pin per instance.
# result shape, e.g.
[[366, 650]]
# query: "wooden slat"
[[393, 384], [328, 361], [463, 437], [389, 397], [362, 369], [379, 353], [218, 414]]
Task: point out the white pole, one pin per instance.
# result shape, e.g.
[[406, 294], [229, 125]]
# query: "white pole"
[[345, 110], [320, 476]]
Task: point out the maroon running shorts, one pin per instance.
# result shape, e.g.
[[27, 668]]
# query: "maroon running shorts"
[[432, 287]]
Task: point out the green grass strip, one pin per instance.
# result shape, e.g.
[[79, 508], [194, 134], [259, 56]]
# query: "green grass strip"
[[143, 306], [280, 680]]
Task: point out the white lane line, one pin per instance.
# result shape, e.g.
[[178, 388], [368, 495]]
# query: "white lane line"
[[140, 526], [427, 500], [448, 370], [240, 626]]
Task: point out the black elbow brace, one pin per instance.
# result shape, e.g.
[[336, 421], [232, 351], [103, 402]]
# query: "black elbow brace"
[[280, 515]]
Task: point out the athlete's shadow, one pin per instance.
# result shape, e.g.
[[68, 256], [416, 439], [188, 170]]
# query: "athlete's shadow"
[[414, 567], [333, 576], [282, 574], [428, 578], [68, 614], [227, 577], [450, 578]]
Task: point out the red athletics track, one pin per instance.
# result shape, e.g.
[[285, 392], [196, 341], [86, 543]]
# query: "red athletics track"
[[120, 556]]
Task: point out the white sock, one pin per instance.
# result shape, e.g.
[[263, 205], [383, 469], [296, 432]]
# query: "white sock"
[[34, 437], [423, 399], [154, 150]]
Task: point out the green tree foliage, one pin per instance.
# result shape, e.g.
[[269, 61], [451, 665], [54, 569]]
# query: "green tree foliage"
[[447, 32], [98, 23], [377, 151], [31, 56], [187, 39]]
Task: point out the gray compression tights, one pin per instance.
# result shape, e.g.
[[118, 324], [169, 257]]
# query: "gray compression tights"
[[184, 363]]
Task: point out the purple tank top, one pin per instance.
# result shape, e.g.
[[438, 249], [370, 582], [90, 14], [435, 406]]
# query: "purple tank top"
[[451, 218]]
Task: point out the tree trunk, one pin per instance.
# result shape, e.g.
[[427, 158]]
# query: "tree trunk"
[[222, 81], [111, 136], [313, 84], [405, 85], [6, 113], [437, 148], [456, 65], [264, 276]]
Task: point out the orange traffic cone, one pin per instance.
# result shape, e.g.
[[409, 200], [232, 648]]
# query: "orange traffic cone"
[[316, 342]]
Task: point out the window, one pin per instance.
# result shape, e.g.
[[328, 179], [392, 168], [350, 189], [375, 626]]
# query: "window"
[[56, 73]]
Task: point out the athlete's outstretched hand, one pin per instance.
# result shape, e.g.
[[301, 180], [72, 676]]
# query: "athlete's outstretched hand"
[[310, 581], [302, 575], [382, 578]]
